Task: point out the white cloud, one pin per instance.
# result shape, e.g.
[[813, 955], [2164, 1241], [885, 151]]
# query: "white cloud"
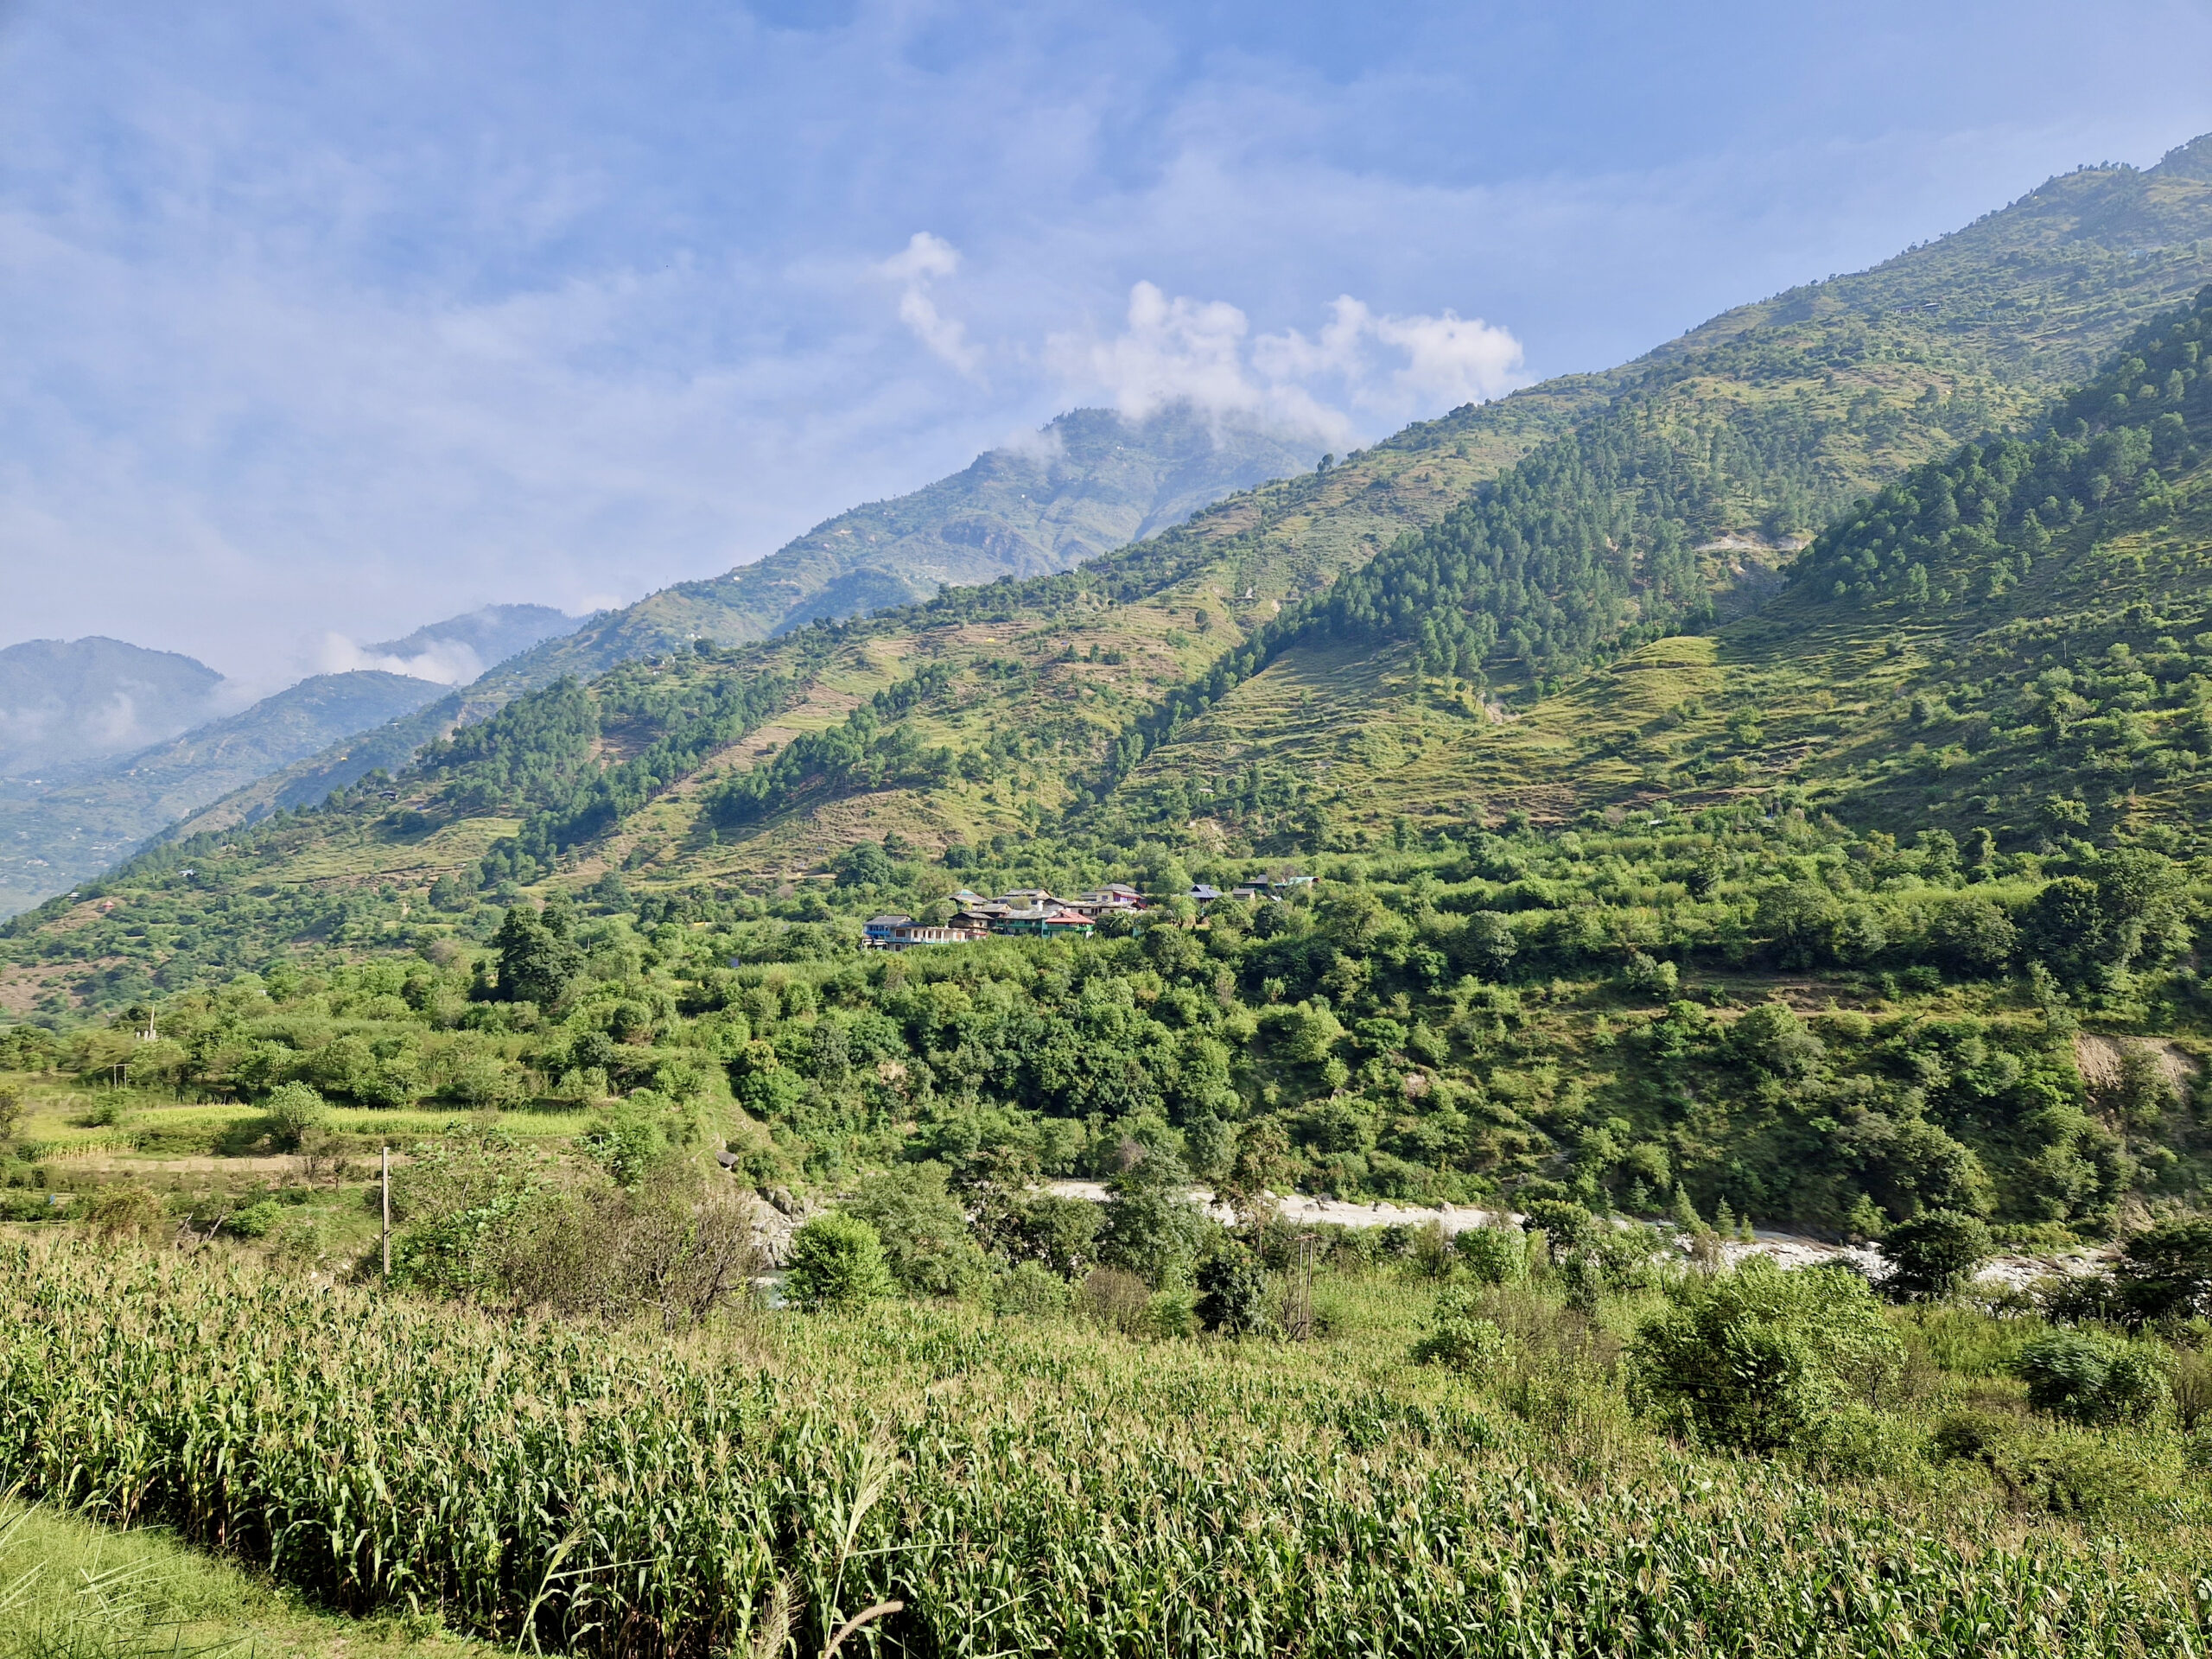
[[1452, 360], [1173, 350], [447, 662], [1449, 360], [1041, 443], [924, 259], [1184, 350]]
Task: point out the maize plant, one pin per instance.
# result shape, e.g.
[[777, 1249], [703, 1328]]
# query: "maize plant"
[[1014, 1488]]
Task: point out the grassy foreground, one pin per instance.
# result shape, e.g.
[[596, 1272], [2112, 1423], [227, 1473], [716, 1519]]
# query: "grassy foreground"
[[1017, 1486], [72, 1589]]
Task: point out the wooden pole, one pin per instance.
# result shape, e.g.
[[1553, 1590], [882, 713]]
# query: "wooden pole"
[[387, 1215]]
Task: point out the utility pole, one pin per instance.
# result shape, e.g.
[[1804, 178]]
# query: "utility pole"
[[387, 1215], [1298, 1291]]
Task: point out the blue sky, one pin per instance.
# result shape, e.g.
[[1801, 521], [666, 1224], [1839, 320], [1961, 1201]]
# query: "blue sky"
[[320, 319]]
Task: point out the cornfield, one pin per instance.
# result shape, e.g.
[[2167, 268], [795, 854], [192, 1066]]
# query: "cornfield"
[[1017, 1489]]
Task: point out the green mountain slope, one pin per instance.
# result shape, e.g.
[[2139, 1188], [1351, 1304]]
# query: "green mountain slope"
[[1850, 379], [1414, 633], [1089, 482], [2008, 639]]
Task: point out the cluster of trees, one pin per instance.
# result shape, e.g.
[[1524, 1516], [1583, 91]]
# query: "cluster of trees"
[[1514, 1013], [861, 753], [549, 758], [1974, 524]]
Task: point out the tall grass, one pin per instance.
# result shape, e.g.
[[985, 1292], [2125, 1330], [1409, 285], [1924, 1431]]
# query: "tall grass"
[[1019, 1489]]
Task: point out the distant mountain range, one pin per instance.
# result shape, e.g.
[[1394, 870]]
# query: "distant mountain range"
[[1089, 482], [460, 649], [63, 703], [103, 743]]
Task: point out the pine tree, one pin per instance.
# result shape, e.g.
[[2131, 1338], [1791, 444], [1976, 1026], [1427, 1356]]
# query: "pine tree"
[[1685, 1213]]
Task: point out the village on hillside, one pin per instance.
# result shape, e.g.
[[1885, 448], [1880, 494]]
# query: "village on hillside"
[[1036, 912]]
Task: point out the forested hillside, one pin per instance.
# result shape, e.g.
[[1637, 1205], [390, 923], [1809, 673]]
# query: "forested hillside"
[[1290, 673], [1757, 426], [1917, 643]]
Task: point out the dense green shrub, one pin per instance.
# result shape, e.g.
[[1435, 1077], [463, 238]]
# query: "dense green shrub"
[[120, 1210], [1932, 1255], [1569, 1227], [1757, 1358], [292, 1110], [1462, 1341], [1494, 1256], [255, 1220], [2065, 1473], [2087, 1378], [2167, 1271], [1031, 1289], [836, 1261], [465, 1205], [1233, 1292]]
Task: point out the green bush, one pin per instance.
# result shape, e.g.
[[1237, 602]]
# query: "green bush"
[[1932, 1255], [1758, 1358], [2167, 1272], [299, 1239], [1170, 1314], [836, 1261], [1494, 1256], [627, 1141], [291, 1111], [2066, 1474], [1233, 1292], [465, 1204], [2087, 1378], [1429, 1252], [1569, 1227], [1460, 1341], [1030, 1289], [120, 1210], [255, 1220], [1114, 1298], [1853, 1442]]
